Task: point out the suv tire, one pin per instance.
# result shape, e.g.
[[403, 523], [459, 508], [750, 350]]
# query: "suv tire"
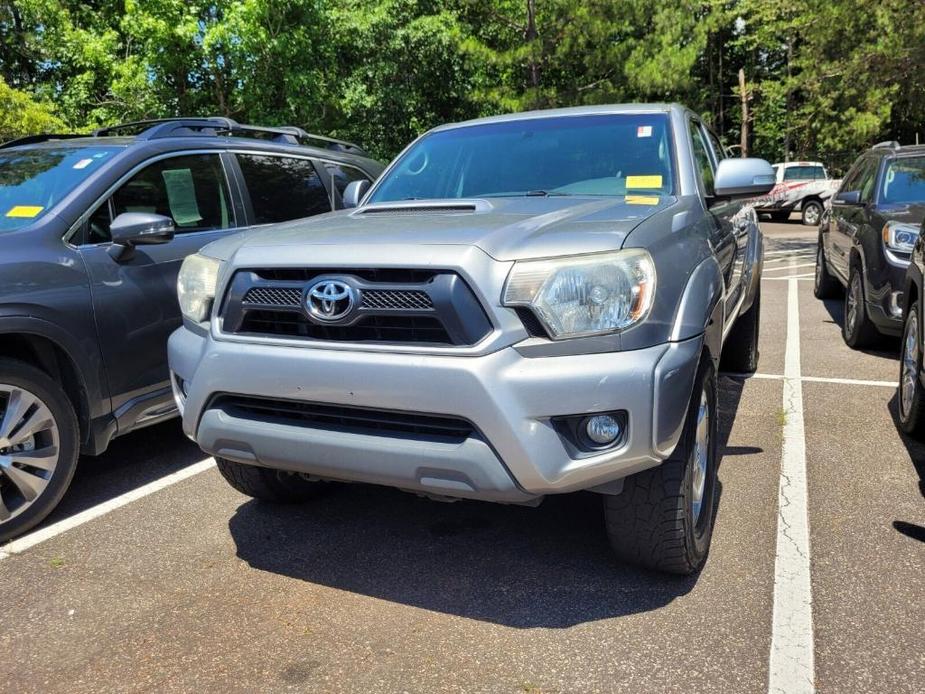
[[911, 393], [811, 213], [857, 329], [740, 353], [656, 521], [780, 217], [41, 402], [824, 285], [268, 484]]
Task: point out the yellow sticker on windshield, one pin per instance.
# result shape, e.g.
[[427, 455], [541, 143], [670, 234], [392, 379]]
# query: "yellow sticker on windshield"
[[643, 182], [641, 200], [24, 211]]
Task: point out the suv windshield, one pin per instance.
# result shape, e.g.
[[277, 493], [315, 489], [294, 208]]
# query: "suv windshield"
[[608, 155], [904, 181], [32, 181]]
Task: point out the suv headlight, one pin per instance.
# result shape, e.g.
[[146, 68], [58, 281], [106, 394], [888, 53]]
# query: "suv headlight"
[[900, 236], [585, 295], [196, 286]]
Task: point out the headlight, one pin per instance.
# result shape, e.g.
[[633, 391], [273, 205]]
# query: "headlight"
[[196, 286], [585, 295], [899, 236]]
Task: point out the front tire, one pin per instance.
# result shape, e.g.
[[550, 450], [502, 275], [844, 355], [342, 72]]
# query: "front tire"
[[39, 445], [911, 393], [267, 484], [663, 518], [824, 285], [811, 213], [740, 353], [858, 330], [780, 216]]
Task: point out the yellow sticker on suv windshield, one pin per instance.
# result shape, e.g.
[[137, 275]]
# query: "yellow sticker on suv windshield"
[[641, 200], [643, 182], [25, 211]]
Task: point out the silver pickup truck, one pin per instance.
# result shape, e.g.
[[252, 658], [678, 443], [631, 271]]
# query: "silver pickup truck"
[[524, 305]]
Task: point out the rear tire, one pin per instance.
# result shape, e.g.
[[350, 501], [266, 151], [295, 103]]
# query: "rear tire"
[[858, 330], [911, 393], [267, 484], [824, 285], [811, 213], [740, 353], [657, 521], [38, 455]]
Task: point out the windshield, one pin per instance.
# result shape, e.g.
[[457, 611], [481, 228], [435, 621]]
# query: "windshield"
[[609, 155], [32, 181], [904, 181]]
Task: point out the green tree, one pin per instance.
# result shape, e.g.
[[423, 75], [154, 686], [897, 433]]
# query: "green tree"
[[22, 115]]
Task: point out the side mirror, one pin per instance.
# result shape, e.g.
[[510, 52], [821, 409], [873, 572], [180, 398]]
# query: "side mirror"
[[743, 178], [354, 192], [849, 197], [141, 228]]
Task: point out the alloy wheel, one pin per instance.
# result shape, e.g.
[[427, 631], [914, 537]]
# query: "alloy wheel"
[[819, 261], [811, 215], [854, 303], [29, 443], [701, 455], [910, 359]]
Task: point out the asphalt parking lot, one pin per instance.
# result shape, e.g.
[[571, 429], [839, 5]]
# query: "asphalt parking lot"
[[154, 574]]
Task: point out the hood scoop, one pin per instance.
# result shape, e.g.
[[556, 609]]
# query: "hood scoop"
[[431, 207]]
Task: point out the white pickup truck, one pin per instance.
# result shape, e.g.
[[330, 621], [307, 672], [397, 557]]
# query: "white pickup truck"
[[801, 186]]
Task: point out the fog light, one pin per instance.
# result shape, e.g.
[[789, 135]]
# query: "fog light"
[[603, 429]]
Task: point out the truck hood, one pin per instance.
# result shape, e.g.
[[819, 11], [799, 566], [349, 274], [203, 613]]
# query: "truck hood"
[[504, 228]]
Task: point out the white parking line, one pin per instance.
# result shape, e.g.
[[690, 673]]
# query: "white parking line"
[[32, 539], [802, 278], [786, 258], [791, 668], [814, 379], [788, 267]]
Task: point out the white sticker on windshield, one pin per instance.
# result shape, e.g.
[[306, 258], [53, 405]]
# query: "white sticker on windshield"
[[644, 131], [82, 164]]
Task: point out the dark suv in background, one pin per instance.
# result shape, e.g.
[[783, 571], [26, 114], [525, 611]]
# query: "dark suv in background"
[[866, 241], [93, 231]]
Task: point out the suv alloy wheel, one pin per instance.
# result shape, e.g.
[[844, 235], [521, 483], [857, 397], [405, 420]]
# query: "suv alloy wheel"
[[38, 446]]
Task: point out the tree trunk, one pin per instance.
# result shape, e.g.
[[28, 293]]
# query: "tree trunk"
[[743, 94]]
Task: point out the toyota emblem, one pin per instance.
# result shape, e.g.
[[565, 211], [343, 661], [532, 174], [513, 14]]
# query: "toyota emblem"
[[330, 300]]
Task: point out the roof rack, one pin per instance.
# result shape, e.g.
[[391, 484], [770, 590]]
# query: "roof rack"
[[33, 139], [211, 126], [888, 144], [219, 125]]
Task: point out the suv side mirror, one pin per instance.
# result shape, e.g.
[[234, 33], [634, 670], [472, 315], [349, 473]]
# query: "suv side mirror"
[[354, 192], [743, 178], [141, 228], [849, 197]]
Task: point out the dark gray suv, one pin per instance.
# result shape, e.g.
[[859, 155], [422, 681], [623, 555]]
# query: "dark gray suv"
[[93, 230]]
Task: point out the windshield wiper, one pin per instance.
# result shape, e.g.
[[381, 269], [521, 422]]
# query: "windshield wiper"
[[544, 194]]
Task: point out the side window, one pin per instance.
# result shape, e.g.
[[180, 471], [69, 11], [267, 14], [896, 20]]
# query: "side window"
[[717, 146], [282, 188], [342, 175], [868, 178], [190, 189], [702, 158], [854, 178]]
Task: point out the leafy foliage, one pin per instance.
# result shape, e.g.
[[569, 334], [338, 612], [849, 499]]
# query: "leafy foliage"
[[825, 77]]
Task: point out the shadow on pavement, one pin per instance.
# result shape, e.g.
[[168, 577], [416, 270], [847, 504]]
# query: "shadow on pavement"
[[916, 452], [521, 567], [888, 345], [130, 462]]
